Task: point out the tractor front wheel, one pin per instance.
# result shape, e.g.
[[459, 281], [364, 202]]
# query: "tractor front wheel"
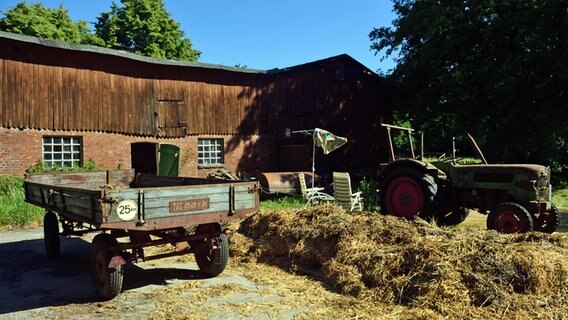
[[408, 193], [547, 221], [510, 217]]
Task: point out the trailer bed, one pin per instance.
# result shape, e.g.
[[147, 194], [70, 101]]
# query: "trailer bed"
[[120, 200]]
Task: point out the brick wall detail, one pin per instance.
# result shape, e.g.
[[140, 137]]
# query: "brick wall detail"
[[20, 149]]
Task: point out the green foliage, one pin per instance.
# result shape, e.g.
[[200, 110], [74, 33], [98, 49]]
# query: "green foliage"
[[369, 194], [38, 21], [400, 139], [282, 203], [145, 27], [14, 212], [495, 69], [42, 167], [141, 26], [560, 198], [461, 161]]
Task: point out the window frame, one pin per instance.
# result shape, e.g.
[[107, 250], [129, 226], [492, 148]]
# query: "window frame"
[[56, 152], [215, 151]]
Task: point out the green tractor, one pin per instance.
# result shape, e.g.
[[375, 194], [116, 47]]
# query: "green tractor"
[[515, 197]]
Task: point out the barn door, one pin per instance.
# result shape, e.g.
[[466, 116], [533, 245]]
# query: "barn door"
[[144, 156], [169, 160], [154, 158]]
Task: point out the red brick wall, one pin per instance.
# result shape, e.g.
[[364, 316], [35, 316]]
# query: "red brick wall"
[[20, 149]]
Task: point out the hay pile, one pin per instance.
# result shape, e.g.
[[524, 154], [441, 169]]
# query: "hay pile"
[[385, 260]]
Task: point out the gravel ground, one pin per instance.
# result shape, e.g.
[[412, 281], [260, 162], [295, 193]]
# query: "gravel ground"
[[34, 287]]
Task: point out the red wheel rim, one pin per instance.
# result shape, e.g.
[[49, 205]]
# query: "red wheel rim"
[[509, 222], [540, 221], [404, 198]]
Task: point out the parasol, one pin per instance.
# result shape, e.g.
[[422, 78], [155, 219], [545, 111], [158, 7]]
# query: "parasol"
[[324, 139]]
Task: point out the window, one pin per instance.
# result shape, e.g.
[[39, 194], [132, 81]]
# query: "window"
[[172, 119], [210, 152], [63, 152]]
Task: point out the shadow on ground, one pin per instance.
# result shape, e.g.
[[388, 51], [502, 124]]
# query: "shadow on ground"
[[29, 280]]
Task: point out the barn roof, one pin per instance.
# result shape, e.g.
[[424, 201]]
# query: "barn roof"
[[160, 61], [120, 53], [331, 61]]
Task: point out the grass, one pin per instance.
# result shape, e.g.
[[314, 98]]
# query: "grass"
[[287, 202], [560, 198], [475, 220], [14, 212]]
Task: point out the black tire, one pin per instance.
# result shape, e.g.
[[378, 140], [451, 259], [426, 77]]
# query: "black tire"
[[510, 217], [212, 257], [452, 218], [107, 281], [548, 221], [408, 193], [51, 238]]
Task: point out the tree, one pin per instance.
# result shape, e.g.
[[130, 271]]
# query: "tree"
[[145, 27], [39, 21], [497, 69]]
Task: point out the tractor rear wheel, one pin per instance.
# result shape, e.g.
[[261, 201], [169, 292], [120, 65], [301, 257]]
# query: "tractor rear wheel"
[[408, 193], [510, 217], [547, 221]]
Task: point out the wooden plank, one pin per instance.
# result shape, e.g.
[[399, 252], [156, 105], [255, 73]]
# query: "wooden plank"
[[156, 208], [16, 95], [4, 87]]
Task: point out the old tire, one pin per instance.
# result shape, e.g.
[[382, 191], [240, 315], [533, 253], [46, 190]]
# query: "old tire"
[[510, 217], [107, 281], [408, 193], [213, 255], [547, 222], [51, 237], [452, 218]]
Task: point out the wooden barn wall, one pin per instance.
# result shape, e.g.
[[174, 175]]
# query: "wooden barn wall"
[[51, 88], [352, 106]]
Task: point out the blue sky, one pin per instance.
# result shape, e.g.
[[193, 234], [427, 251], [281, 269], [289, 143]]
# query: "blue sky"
[[263, 34]]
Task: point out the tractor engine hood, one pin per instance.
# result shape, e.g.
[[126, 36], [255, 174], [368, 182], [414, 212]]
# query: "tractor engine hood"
[[525, 176]]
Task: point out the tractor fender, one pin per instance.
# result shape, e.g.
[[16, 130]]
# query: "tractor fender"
[[417, 165]]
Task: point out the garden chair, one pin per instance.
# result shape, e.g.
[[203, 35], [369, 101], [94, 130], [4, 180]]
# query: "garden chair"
[[343, 194], [312, 195]]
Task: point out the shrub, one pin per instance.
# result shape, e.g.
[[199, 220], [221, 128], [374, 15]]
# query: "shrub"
[[14, 211]]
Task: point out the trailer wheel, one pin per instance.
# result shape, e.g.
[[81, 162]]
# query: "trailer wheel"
[[452, 218], [51, 238], [408, 193], [212, 257], [548, 221], [107, 281], [510, 217]]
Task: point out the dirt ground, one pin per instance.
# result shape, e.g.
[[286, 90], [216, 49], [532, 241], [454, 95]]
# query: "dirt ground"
[[34, 287]]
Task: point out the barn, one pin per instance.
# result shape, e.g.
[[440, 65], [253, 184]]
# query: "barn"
[[67, 105]]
